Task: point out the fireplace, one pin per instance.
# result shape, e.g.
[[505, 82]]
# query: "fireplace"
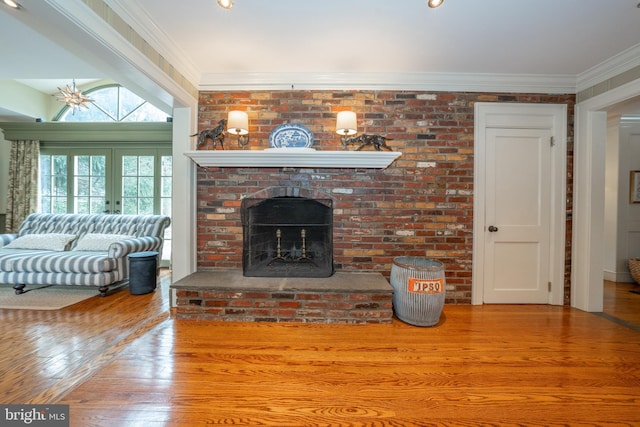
[[287, 237]]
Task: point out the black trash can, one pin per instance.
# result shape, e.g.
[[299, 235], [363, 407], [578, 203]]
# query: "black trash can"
[[143, 267]]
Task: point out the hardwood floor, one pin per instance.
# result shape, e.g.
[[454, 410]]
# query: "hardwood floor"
[[621, 305], [123, 361]]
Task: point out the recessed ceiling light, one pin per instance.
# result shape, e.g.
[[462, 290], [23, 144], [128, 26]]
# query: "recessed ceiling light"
[[435, 3], [225, 4], [11, 3]]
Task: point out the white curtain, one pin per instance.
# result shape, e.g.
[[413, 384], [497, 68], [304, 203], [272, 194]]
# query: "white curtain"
[[22, 198]]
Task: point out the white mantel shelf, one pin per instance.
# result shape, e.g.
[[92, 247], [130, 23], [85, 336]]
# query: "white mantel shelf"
[[292, 158]]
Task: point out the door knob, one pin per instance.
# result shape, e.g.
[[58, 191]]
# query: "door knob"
[[493, 229]]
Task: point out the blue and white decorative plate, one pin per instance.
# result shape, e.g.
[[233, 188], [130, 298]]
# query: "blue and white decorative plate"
[[291, 135]]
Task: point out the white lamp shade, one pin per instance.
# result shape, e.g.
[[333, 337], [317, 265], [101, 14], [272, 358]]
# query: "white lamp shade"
[[346, 123], [238, 122]]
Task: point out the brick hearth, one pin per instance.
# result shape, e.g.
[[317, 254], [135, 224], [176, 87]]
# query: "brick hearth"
[[227, 295]]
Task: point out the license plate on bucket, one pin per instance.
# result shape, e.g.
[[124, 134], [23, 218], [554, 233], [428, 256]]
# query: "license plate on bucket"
[[425, 286]]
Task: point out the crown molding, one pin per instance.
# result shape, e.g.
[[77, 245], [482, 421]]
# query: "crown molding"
[[460, 82], [612, 67]]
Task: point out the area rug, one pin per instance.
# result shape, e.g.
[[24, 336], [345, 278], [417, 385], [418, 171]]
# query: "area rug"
[[44, 298]]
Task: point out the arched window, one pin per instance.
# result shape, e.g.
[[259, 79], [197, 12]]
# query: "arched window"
[[113, 103]]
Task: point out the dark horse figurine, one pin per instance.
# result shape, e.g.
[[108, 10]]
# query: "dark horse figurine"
[[377, 141], [216, 135]]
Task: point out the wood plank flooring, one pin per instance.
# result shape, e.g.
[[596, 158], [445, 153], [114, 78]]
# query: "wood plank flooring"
[[123, 361], [45, 353], [620, 305]]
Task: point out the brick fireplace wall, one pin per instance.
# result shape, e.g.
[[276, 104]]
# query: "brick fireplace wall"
[[421, 205]]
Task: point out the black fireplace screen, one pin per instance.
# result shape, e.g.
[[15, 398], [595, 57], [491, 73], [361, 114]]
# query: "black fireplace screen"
[[287, 237]]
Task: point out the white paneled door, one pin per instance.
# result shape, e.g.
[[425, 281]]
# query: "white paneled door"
[[518, 212], [519, 209]]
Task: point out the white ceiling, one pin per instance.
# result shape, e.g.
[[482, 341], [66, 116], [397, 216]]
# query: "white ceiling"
[[292, 41], [346, 36]]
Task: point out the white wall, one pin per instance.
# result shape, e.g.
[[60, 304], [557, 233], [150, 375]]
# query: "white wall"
[[622, 218], [611, 198], [27, 101], [629, 213]]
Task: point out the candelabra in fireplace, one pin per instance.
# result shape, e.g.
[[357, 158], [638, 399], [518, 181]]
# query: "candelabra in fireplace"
[[292, 255], [287, 237]]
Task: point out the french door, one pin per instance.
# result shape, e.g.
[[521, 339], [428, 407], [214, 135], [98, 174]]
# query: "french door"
[[143, 181], [74, 181], [134, 181]]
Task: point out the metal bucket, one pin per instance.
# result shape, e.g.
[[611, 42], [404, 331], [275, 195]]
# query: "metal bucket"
[[419, 290]]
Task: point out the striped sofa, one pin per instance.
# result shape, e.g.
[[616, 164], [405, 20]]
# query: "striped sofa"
[[76, 249]]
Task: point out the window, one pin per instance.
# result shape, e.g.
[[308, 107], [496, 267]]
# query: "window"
[[53, 183], [73, 183], [113, 103]]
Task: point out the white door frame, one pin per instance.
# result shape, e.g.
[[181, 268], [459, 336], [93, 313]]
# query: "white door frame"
[[587, 264], [510, 115], [184, 222]]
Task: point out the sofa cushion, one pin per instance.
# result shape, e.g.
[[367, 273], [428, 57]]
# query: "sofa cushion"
[[5, 239], [9, 256], [47, 241], [56, 223], [98, 242], [81, 224], [65, 262]]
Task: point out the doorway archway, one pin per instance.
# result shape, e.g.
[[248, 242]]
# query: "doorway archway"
[[588, 214]]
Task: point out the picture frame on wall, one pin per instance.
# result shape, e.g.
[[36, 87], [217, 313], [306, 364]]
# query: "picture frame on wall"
[[634, 187]]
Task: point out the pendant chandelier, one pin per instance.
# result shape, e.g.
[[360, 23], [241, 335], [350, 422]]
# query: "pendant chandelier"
[[73, 97]]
